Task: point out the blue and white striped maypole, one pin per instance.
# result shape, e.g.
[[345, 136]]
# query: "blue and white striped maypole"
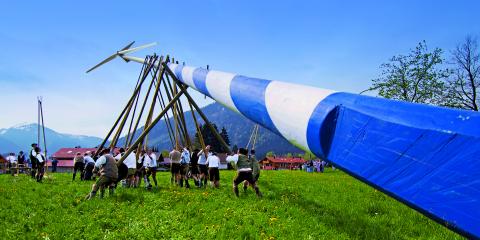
[[424, 156]]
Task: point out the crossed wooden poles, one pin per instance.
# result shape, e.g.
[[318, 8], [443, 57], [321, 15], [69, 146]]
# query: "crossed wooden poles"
[[160, 74]]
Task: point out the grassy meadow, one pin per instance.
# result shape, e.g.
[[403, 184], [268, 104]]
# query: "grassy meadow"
[[296, 205]]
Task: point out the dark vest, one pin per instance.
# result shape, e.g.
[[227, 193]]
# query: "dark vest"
[[109, 169], [33, 159], [243, 162]]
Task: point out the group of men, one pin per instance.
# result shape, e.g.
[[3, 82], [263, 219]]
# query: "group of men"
[[15, 161], [132, 170], [205, 164], [84, 164], [201, 165]]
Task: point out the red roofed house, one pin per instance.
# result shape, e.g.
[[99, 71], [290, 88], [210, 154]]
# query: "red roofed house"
[[275, 163], [65, 156]]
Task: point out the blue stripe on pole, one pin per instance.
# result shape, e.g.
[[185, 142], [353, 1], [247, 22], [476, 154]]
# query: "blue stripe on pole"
[[199, 78], [424, 156], [248, 95]]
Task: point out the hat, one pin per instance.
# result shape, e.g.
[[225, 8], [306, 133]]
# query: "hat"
[[34, 144]]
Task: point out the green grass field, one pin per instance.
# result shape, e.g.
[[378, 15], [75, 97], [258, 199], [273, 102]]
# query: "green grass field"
[[296, 205]]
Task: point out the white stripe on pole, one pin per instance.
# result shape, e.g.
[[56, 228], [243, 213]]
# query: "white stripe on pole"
[[290, 107]]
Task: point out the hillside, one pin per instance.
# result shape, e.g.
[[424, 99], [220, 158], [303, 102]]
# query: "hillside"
[[238, 127]]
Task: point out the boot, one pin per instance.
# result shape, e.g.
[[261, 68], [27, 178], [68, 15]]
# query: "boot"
[[257, 191], [205, 182], [186, 184], [180, 182], [111, 191], [90, 195]]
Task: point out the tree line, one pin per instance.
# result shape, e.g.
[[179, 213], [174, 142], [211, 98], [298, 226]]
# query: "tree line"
[[427, 76]]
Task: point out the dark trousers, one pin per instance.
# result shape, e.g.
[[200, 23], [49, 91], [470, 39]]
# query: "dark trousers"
[[79, 166], [40, 171]]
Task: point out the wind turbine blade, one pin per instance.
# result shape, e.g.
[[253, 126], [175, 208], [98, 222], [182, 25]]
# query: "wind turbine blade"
[[136, 48], [128, 46], [103, 62]]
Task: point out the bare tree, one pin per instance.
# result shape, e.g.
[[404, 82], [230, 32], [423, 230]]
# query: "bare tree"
[[463, 87]]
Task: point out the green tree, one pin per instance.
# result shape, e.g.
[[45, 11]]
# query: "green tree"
[[224, 135], [235, 148], [464, 85], [308, 156], [270, 154], [209, 138], [417, 77]]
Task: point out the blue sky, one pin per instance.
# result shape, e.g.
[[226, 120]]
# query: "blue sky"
[[48, 45]]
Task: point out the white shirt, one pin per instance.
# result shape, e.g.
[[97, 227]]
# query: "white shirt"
[[88, 159], [233, 158], [154, 159], [131, 160], [11, 159], [185, 156], [213, 161], [202, 160], [101, 161], [149, 161], [39, 157], [118, 156]]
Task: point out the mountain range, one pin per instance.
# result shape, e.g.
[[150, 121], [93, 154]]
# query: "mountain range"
[[20, 137], [238, 128]]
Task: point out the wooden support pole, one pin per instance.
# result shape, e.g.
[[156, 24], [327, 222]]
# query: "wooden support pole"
[[122, 124], [100, 147], [150, 127], [141, 109], [180, 113], [167, 119], [205, 119], [199, 131], [129, 133], [154, 99], [175, 111]]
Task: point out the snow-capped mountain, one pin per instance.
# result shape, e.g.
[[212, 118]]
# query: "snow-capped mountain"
[[21, 136]]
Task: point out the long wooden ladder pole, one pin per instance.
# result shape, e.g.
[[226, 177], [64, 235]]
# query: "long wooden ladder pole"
[[41, 124], [255, 137]]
